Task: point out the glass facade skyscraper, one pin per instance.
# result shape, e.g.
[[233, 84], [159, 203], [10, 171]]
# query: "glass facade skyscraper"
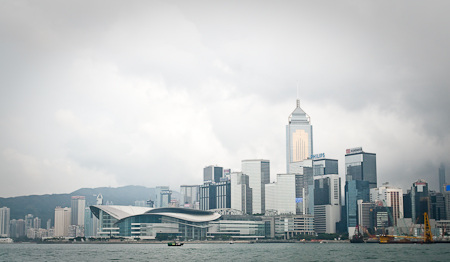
[[360, 165], [212, 174], [360, 177], [325, 166], [215, 195], [327, 203], [420, 200], [354, 191], [299, 137], [78, 204]]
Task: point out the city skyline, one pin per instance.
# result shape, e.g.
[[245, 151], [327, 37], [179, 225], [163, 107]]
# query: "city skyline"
[[150, 94]]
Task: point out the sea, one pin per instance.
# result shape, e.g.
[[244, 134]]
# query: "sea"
[[225, 252]]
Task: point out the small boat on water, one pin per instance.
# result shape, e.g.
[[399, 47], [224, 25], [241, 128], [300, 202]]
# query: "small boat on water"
[[175, 244], [357, 238]]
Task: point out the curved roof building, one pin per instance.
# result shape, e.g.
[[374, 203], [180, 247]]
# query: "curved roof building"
[[147, 223]]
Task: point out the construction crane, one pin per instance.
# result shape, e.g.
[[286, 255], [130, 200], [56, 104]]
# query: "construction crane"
[[427, 235]]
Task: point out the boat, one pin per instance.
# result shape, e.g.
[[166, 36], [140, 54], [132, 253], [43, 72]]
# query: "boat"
[[390, 239], [357, 238], [175, 244], [427, 237]]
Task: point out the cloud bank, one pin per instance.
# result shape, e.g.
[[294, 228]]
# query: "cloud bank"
[[149, 92]]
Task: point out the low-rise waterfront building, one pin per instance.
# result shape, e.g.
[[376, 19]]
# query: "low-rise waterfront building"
[[148, 223], [288, 226], [238, 229]]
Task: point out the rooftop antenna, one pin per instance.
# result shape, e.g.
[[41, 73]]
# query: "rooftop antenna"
[[298, 100]]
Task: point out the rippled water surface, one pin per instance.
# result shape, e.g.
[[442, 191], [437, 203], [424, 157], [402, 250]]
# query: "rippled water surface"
[[224, 252]]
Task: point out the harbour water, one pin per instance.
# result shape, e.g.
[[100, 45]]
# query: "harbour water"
[[224, 252]]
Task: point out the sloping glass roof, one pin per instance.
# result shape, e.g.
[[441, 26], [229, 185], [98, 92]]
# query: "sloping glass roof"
[[122, 212]]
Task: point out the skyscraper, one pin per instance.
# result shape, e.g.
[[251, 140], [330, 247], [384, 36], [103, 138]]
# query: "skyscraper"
[[166, 198], [28, 222], [241, 193], [447, 201], [390, 197], [212, 174], [360, 165], [13, 228], [325, 166], [20, 228], [280, 196], [258, 171], [420, 200], [355, 190], [62, 221], [299, 137], [304, 186], [90, 223], [77, 207], [437, 206], [189, 195], [360, 177], [162, 197], [36, 223], [327, 202], [4, 221], [215, 195], [442, 178]]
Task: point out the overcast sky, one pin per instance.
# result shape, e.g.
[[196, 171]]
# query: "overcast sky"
[[114, 93]]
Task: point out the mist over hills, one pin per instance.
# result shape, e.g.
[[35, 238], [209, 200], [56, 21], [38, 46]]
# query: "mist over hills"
[[43, 206]]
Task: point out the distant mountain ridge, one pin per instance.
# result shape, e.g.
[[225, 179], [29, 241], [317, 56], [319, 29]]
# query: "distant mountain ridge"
[[43, 206]]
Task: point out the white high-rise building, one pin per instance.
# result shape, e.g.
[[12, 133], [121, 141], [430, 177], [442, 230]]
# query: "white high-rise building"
[[77, 206], [258, 172], [4, 222], [241, 193], [36, 223], [299, 137], [62, 221], [304, 186], [327, 203], [28, 222], [390, 197], [280, 196]]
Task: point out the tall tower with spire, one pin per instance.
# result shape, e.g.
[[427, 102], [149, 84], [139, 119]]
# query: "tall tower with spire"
[[299, 137]]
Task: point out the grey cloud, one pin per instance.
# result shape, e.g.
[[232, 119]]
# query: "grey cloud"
[[123, 69]]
